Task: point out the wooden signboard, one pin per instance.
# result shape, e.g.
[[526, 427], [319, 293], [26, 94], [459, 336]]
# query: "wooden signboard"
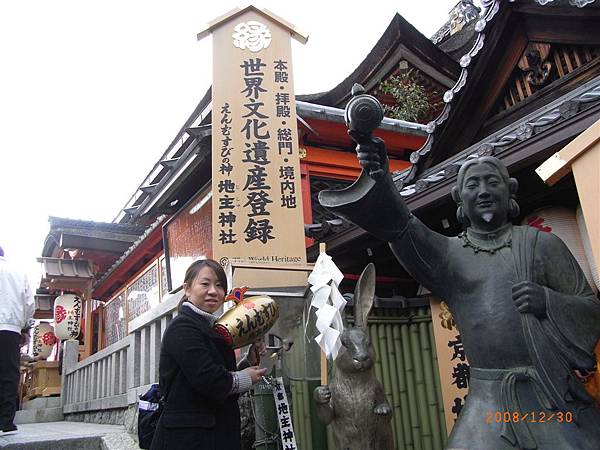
[[582, 157], [187, 237], [452, 362], [257, 198]]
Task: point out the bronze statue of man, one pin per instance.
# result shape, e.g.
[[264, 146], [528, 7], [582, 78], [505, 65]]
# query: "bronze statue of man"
[[526, 313]]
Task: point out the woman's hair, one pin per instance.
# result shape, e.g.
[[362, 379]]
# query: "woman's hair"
[[511, 183], [192, 272]]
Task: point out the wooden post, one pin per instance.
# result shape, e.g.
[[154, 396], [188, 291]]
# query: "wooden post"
[[324, 379], [89, 330], [252, 44]]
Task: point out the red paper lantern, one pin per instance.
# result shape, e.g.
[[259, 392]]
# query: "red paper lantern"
[[67, 316], [43, 340]]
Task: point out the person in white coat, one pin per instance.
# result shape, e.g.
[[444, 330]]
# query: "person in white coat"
[[16, 312]]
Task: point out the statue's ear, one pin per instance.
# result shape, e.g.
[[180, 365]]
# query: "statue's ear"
[[455, 195], [364, 295], [513, 206]]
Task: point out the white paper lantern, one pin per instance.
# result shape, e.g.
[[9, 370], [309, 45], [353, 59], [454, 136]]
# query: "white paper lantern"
[[563, 223], [587, 248], [43, 340], [67, 316]]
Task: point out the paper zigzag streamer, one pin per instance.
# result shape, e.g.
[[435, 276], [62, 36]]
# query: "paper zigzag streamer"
[[329, 303]]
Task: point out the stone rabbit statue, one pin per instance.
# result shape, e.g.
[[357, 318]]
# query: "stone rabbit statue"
[[354, 403]]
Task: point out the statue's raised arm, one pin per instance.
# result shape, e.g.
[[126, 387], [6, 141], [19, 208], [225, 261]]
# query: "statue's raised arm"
[[374, 203]]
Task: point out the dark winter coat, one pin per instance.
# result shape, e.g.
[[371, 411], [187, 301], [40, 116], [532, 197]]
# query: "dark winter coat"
[[194, 373]]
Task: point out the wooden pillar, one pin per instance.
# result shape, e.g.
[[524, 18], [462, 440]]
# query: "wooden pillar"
[[306, 198], [88, 332]]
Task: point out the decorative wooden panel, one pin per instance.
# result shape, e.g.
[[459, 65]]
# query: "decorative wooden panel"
[[142, 294], [114, 320], [164, 279], [540, 65], [188, 237]]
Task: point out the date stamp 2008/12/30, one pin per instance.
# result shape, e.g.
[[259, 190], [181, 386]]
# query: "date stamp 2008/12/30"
[[530, 417]]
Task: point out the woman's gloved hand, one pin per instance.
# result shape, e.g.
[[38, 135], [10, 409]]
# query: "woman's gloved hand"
[[256, 373]]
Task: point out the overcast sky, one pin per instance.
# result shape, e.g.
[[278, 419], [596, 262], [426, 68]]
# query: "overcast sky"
[[93, 92]]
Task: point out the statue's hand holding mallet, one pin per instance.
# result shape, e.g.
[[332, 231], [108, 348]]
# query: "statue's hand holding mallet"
[[363, 114], [370, 152]]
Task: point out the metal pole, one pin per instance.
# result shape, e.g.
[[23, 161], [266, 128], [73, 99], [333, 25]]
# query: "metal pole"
[[265, 418]]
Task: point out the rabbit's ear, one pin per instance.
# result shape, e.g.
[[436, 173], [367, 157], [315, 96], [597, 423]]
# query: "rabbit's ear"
[[364, 295]]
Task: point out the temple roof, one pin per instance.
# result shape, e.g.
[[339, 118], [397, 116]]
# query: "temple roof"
[[85, 234], [558, 121], [400, 42], [503, 32], [142, 250], [91, 226], [101, 243]]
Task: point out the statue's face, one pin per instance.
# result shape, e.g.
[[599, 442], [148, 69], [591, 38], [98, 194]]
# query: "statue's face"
[[485, 197]]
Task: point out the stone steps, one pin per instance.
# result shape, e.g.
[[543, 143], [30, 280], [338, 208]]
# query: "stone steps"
[[41, 409], [78, 443], [42, 402], [69, 436], [39, 415]]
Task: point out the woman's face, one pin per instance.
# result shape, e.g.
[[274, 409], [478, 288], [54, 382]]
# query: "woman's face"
[[205, 291]]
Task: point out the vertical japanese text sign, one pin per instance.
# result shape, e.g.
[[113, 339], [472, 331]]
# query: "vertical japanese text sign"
[[257, 201], [453, 366]]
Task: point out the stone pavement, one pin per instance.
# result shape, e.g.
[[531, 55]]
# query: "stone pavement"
[[69, 436]]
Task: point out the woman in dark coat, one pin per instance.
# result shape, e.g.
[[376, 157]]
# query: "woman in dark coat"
[[198, 375]]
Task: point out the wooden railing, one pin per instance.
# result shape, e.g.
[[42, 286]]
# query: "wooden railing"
[[116, 375]]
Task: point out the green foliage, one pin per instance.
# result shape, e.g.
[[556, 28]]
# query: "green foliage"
[[412, 103]]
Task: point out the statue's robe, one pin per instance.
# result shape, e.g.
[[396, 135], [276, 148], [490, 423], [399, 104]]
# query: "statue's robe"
[[519, 363]]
